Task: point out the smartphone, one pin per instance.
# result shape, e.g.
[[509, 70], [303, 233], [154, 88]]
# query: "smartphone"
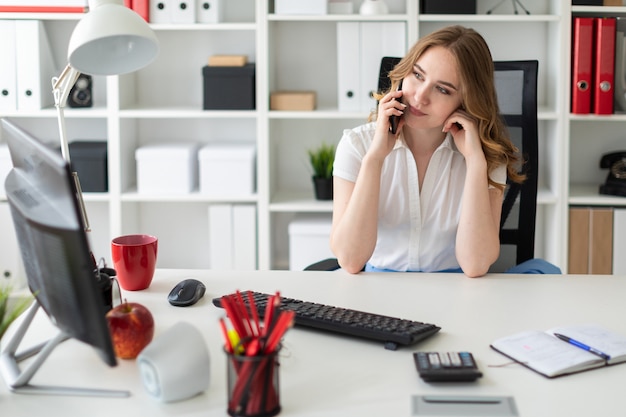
[[394, 120]]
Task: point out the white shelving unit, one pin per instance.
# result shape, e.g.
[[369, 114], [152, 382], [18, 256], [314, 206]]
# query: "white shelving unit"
[[163, 102]]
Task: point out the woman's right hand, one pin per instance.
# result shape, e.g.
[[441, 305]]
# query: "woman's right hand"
[[384, 140]]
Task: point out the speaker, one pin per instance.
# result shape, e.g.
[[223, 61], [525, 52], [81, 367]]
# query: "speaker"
[[80, 94], [175, 365]]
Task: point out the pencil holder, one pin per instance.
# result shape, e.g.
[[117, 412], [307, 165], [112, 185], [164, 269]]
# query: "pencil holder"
[[253, 385]]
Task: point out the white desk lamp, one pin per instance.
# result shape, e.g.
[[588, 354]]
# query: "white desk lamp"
[[110, 39]]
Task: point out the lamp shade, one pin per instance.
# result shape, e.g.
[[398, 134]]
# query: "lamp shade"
[[111, 39]]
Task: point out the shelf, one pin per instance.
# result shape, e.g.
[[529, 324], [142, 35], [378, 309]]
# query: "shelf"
[[185, 113], [338, 18], [597, 117], [587, 195], [43, 16], [68, 113], [299, 202], [199, 27], [194, 197], [495, 18]]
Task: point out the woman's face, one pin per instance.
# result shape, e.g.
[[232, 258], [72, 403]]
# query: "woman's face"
[[432, 91]]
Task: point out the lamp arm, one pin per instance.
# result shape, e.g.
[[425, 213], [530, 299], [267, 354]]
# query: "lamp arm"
[[61, 87]]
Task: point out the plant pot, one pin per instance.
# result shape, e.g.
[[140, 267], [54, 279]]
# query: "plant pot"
[[323, 188]]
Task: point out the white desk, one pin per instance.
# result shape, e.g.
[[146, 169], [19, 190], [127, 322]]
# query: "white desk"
[[326, 375]]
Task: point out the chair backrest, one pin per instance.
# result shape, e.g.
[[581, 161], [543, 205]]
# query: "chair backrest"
[[516, 87]]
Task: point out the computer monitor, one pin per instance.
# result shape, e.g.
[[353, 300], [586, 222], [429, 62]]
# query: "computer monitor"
[[60, 269]]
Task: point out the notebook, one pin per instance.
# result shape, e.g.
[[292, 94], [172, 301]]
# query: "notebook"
[[551, 356]]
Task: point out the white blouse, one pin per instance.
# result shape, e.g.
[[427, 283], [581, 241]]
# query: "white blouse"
[[416, 230]]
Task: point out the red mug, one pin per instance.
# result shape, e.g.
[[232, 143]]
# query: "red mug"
[[134, 260]]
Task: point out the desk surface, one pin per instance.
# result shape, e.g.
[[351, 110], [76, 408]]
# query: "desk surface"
[[327, 375]]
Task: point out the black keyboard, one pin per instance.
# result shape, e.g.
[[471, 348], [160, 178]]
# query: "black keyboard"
[[390, 330]]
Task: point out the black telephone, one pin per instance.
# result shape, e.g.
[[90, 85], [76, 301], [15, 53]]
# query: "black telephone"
[[394, 120], [615, 183]]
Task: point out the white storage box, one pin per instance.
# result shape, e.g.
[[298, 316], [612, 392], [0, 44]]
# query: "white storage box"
[[5, 167], [301, 7], [309, 240], [167, 168], [227, 169]]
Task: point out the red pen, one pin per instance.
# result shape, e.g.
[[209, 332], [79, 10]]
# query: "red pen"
[[273, 304], [255, 314], [285, 321]]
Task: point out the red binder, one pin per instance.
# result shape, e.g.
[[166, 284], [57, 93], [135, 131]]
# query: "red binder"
[[604, 66], [582, 64], [141, 7]]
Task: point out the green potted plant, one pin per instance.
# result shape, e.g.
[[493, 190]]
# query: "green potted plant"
[[322, 159], [10, 308]]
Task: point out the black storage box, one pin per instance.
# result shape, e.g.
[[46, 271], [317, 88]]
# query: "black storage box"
[[448, 6], [587, 2], [229, 88], [89, 160]]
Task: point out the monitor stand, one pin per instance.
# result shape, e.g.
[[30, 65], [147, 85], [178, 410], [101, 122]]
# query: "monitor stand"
[[19, 381]]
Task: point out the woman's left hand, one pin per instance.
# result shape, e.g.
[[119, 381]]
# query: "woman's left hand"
[[465, 134]]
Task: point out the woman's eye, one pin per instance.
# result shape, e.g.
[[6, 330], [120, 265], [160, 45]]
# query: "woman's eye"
[[443, 90]]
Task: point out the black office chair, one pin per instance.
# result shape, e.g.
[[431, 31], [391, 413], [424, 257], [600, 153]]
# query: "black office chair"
[[516, 87]]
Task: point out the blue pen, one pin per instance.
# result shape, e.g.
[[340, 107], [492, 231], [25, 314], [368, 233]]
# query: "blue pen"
[[583, 346]]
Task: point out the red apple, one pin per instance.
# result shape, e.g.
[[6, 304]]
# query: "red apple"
[[132, 328]]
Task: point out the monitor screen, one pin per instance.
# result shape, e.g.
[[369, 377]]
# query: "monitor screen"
[[60, 269]]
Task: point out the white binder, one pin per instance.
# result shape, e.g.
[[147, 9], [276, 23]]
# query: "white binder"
[[34, 66], [360, 48], [209, 11], [220, 236], [378, 39], [245, 237], [8, 81], [159, 11], [348, 61], [183, 11]]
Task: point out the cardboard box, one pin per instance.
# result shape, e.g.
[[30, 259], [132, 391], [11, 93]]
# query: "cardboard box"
[[228, 60], [167, 168], [293, 100], [229, 88], [309, 237], [227, 169], [311, 7], [448, 7], [89, 160]]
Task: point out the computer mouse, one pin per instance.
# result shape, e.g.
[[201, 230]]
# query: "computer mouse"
[[186, 293]]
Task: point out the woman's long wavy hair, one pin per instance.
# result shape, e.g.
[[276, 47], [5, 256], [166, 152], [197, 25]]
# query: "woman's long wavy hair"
[[478, 92]]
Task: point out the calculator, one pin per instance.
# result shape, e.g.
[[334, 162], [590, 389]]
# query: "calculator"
[[446, 366]]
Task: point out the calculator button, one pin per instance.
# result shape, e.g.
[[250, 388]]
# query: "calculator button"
[[455, 359], [445, 360], [433, 358]]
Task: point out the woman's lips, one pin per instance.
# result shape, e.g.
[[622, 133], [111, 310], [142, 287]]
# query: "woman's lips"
[[415, 111]]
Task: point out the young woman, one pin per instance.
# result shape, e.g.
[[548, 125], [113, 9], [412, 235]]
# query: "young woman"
[[429, 197]]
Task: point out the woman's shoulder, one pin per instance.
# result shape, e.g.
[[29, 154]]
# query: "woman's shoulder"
[[360, 136], [364, 131]]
